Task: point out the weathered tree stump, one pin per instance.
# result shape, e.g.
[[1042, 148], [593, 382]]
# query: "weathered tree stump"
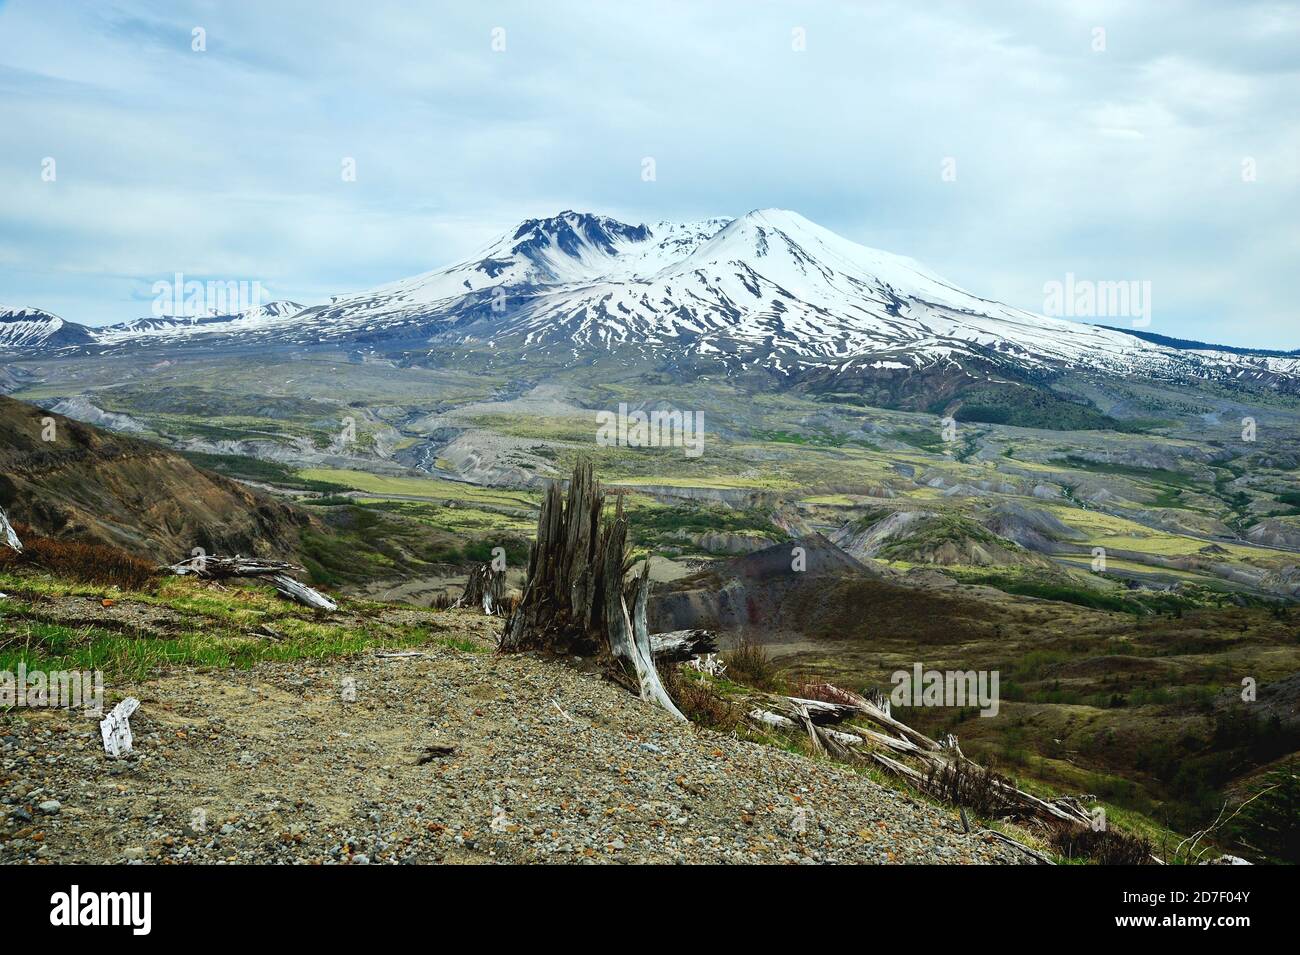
[[574, 599], [562, 608], [485, 588]]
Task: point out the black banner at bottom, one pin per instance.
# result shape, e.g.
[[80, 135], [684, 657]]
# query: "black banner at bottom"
[[139, 905]]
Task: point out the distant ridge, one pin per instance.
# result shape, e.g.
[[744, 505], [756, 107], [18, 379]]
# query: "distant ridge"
[[1188, 344]]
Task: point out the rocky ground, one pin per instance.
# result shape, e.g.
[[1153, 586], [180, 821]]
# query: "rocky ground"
[[454, 755]]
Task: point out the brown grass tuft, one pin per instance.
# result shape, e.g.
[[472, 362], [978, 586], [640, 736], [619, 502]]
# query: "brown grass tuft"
[[1104, 847], [75, 560], [700, 702], [750, 664]]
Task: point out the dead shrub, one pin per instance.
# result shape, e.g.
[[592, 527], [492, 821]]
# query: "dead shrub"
[[700, 702], [750, 664], [79, 561], [960, 783], [1103, 846]]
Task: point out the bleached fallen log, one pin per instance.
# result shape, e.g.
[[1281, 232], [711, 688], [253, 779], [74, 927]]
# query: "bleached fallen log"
[[768, 718], [115, 728], [818, 711], [844, 739], [676, 646], [275, 572], [877, 714], [212, 567], [837, 744], [890, 742], [8, 536], [301, 593]]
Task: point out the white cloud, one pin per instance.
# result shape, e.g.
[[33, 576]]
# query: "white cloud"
[[1124, 163]]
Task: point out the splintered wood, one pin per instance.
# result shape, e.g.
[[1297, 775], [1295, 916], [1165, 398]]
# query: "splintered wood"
[[575, 599], [115, 728], [485, 589]]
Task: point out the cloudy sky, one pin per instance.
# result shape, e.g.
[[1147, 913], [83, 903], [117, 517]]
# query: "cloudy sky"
[[1086, 138]]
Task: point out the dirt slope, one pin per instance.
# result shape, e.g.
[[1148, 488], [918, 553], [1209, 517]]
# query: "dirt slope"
[[550, 764], [93, 485]]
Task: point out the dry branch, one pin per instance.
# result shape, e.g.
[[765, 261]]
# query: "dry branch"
[[8, 536], [1033, 853], [826, 705]]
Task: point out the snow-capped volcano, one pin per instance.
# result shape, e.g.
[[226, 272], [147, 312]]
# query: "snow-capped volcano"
[[568, 249], [767, 292]]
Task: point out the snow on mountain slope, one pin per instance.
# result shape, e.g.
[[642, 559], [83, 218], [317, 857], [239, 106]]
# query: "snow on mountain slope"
[[570, 248], [179, 326], [769, 290], [774, 289], [25, 329]]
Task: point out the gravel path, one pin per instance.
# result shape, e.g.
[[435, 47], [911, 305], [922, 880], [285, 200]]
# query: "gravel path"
[[548, 763]]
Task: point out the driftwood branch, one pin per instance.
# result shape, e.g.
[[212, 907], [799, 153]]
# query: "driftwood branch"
[[629, 637], [290, 588], [275, 572], [677, 646], [8, 536]]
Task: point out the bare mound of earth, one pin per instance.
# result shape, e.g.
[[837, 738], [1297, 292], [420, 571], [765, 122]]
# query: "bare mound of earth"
[[90, 484], [928, 537], [540, 762]]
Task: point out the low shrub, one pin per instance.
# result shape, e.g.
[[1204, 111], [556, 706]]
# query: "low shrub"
[[750, 663], [966, 784], [700, 702]]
